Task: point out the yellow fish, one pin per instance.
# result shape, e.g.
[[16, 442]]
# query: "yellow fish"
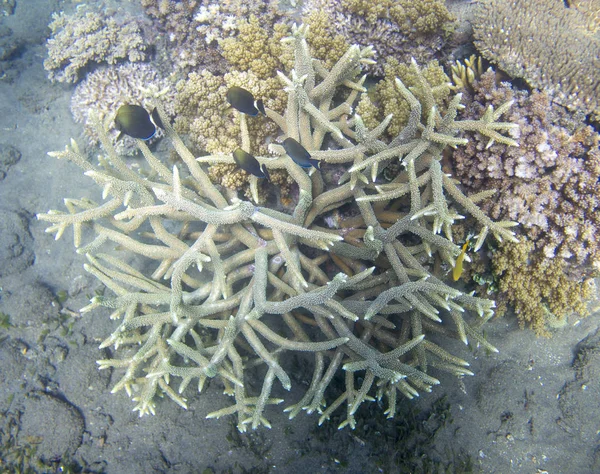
[[458, 267]]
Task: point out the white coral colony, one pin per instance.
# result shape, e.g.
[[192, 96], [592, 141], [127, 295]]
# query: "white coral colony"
[[236, 287]]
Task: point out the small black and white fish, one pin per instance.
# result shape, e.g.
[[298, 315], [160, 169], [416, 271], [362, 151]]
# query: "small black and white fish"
[[134, 120], [250, 164], [156, 118], [299, 154], [243, 100]]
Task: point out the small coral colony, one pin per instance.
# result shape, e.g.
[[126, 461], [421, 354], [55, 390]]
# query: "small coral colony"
[[302, 217]]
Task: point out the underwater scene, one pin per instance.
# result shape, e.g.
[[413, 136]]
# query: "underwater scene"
[[300, 236]]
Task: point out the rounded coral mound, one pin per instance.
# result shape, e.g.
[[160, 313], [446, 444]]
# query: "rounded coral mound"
[[537, 288], [106, 89]]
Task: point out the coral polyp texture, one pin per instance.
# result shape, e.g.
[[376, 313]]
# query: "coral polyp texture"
[[538, 288], [89, 37], [208, 286], [549, 184], [191, 31], [395, 28], [514, 35]]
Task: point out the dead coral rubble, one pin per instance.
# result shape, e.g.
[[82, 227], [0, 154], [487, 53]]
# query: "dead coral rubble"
[[237, 286]]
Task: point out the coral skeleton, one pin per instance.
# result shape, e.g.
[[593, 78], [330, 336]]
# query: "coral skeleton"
[[236, 288]]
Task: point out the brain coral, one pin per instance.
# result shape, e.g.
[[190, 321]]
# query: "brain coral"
[[515, 35]]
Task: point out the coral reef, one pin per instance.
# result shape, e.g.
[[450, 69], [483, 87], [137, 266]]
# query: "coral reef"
[[324, 40], [106, 89], [401, 29], [257, 50], [237, 287], [229, 175], [199, 106], [538, 288], [549, 184], [203, 112], [515, 36], [465, 72], [91, 36], [387, 99], [191, 30], [180, 45], [233, 177]]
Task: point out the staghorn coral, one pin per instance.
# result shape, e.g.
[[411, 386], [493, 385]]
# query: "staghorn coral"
[[89, 37], [401, 29], [538, 288], [549, 184], [236, 287], [106, 89], [515, 36], [387, 99], [232, 177]]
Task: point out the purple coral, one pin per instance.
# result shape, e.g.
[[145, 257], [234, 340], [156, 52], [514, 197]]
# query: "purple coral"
[[549, 184], [179, 43]]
